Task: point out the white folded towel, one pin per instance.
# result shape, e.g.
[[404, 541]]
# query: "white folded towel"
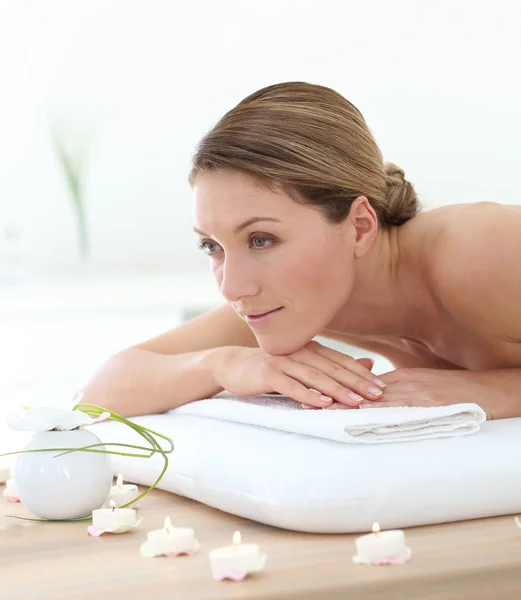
[[367, 426]]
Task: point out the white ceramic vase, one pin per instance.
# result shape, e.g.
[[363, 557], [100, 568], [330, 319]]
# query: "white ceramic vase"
[[62, 487]]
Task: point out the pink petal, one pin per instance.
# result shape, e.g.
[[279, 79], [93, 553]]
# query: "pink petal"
[[13, 498], [91, 530], [398, 559], [233, 575], [187, 552]]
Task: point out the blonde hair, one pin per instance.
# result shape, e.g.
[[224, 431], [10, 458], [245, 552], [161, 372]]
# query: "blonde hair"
[[315, 144]]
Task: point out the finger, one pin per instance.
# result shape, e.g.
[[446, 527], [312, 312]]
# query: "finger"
[[315, 379], [395, 400], [332, 379], [288, 386], [368, 363], [340, 406], [390, 377], [348, 362]]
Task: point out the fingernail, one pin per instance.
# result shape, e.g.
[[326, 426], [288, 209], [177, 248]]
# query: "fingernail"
[[324, 399], [354, 397], [367, 405], [374, 391], [380, 383]]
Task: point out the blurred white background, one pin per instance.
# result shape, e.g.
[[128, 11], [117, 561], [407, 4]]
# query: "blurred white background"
[[134, 85]]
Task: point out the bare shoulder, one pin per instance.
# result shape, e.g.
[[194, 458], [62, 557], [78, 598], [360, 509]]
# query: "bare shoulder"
[[474, 263], [470, 239], [221, 326]]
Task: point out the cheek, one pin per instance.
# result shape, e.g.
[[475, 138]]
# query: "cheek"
[[317, 270]]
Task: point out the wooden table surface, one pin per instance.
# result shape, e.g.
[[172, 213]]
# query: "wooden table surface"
[[478, 559]]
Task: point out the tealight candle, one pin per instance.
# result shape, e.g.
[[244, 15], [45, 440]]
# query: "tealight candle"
[[11, 491], [122, 493], [169, 541], [382, 547], [5, 473], [112, 520], [236, 561]]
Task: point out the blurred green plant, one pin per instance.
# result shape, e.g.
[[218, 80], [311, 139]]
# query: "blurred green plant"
[[72, 166]]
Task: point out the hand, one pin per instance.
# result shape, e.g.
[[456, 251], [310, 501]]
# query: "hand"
[[427, 387], [314, 375]]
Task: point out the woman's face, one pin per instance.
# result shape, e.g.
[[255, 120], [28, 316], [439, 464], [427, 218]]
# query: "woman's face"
[[290, 260]]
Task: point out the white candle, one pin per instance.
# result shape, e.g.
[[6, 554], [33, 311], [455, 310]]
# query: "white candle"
[[169, 541], [5, 473], [11, 491], [236, 561], [382, 547], [112, 520], [122, 493]]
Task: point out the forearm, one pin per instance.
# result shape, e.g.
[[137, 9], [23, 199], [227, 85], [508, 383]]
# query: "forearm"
[[138, 382], [498, 392]]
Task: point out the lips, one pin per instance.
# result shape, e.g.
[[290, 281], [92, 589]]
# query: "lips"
[[260, 315]]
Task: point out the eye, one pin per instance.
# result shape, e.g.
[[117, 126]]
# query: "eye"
[[207, 246], [259, 241]]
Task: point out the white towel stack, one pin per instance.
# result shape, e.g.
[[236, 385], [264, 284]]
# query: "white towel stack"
[[366, 426]]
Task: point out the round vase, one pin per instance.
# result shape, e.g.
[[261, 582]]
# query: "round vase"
[[70, 486]]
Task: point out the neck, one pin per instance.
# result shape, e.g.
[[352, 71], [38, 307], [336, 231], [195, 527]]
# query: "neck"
[[391, 295]]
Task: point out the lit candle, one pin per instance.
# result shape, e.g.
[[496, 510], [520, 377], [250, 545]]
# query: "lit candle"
[[112, 520], [5, 473], [122, 493], [382, 547], [11, 491], [236, 561], [169, 541]]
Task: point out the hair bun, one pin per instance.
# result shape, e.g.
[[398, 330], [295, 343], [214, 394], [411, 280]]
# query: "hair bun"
[[402, 203]]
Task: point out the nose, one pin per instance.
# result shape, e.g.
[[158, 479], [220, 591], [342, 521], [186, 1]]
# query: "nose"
[[238, 278]]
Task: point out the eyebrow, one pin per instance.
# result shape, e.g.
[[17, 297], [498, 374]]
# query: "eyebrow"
[[245, 224]]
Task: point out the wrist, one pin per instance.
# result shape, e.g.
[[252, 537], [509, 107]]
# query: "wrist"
[[213, 361]]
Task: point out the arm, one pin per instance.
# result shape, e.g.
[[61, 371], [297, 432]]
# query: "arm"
[[169, 370], [496, 391], [218, 350]]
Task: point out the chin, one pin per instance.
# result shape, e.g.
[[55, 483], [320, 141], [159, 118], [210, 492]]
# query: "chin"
[[281, 346]]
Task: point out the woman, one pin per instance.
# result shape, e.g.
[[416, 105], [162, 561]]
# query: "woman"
[[309, 233]]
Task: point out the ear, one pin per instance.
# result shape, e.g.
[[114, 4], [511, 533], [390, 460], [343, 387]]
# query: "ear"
[[363, 218]]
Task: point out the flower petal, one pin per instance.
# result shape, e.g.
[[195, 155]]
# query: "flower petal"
[[37, 418], [233, 575], [46, 418], [78, 418]]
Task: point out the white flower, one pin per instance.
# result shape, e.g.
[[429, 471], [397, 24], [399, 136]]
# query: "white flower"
[[48, 418]]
